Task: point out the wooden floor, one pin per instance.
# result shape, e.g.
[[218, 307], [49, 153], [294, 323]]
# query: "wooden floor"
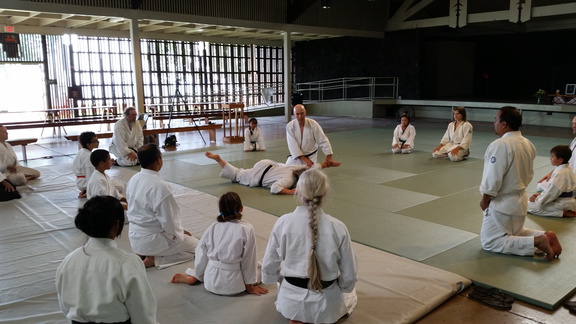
[[459, 309]]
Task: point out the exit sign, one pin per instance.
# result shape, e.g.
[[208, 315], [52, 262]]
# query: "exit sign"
[[8, 29]]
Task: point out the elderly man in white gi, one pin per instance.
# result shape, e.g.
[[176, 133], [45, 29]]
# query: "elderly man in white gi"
[[304, 137], [156, 232], [9, 167], [508, 169], [543, 183], [127, 139]]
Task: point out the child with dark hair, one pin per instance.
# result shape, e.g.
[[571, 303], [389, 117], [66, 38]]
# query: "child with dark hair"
[[253, 140], [100, 184], [82, 167], [226, 255], [557, 199], [98, 282]]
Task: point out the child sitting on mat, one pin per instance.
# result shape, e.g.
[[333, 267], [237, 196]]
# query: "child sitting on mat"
[[100, 184], [253, 140], [226, 254], [557, 199]]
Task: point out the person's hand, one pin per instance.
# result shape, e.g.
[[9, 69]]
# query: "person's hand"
[[256, 290], [545, 178], [12, 168], [533, 197], [455, 150], [485, 202], [132, 156], [437, 148], [395, 146], [187, 233], [307, 161], [7, 186]]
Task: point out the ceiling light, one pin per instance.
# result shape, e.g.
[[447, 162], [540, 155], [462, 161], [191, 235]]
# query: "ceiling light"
[[325, 4]]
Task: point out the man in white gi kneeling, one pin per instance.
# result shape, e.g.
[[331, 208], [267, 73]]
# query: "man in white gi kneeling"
[[156, 233], [127, 138]]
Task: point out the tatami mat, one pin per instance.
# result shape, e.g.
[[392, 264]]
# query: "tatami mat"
[[38, 232], [419, 207]]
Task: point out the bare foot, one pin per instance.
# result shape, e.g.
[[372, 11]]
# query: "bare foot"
[[183, 278], [213, 156], [542, 242], [569, 213], [554, 243], [148, 262]]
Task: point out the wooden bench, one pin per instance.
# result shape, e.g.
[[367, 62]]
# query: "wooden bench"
[[211, 128], [23, 142]]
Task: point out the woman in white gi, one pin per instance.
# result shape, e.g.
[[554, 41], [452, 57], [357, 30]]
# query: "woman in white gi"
[[253, 139], [226, 255], [455, 143], [557, 200], [98, 282], [404, 135], [310, 254]]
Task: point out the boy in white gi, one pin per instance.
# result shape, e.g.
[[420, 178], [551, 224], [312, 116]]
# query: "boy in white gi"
[[82, 167], [557, 200], [253, 140], [508, 169], [100, 184], [156, 232]]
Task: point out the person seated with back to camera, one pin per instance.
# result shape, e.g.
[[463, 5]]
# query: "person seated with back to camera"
[[557, 200], [404, 135], [226, 255], [455, 143], [253, 140], [98, 282]]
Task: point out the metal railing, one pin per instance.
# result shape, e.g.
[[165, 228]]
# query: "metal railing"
[[357, 88]]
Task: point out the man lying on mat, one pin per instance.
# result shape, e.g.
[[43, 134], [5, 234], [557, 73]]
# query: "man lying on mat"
[[280, 178]]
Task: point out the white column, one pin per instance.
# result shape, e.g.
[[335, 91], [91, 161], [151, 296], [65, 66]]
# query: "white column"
[[287, 77], [137, 66]]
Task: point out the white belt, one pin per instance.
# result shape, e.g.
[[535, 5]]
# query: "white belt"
[[224, 266]]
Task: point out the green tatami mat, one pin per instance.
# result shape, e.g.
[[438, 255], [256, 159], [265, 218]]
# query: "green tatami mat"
[[411, 205]]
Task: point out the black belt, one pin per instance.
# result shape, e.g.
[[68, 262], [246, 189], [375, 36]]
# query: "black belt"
[[303, 282], [566, 194], [125, 322], [307, 155], [264, 173]]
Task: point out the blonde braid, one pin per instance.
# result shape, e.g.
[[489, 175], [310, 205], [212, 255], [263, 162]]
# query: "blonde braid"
[[314, 273]]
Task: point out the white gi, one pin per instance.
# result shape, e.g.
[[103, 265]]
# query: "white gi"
[[405, 137], [508, 169], [549, 202], [287, 256], [278, 177], [82, 168], [307, 142], [253, 140], [101, 283], [124, 140], [8, 158], [226, 258], [155, 220], [101, 185], [462, 137], [572, 163]]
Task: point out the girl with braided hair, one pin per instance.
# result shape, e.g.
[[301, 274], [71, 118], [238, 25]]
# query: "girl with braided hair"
[[226, 254], [310, 254]]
